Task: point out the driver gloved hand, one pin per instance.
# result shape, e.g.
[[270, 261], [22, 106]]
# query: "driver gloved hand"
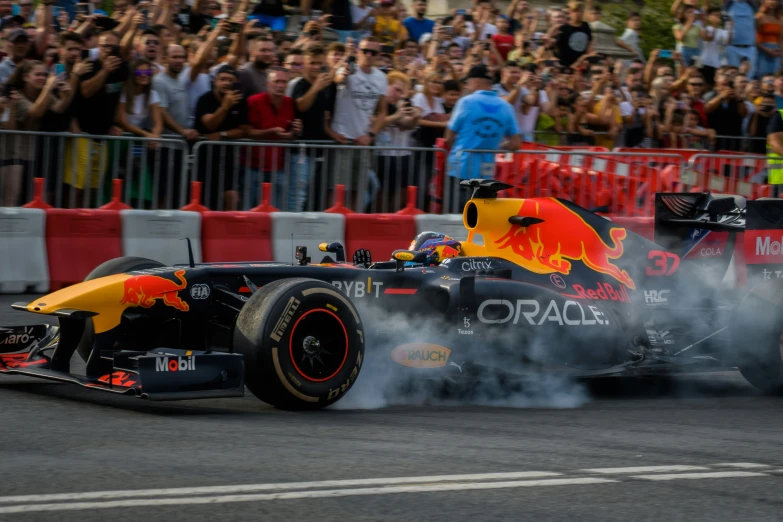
[[362, 257]]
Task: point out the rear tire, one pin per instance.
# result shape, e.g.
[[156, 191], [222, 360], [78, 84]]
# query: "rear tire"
[[302, 342], [758, 339], [118, 265]]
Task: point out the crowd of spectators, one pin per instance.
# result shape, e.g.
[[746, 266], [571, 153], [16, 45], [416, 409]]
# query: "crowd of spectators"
[[370, 74]]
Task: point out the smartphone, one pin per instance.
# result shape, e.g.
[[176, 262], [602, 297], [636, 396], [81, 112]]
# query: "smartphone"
[[665, 54], [594, 59], [83, 9], [448, 29], [234, 27], [317, 14], [115, 51], [236, 87], [387, 49], [550, 63]]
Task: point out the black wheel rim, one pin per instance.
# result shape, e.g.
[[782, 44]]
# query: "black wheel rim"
[[318, 345]]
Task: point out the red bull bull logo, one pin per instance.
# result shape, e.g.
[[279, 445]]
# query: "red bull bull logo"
[[562, 237], [144, 290]]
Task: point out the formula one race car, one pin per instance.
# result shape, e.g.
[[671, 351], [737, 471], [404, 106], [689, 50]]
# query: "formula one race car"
[[539, 284]]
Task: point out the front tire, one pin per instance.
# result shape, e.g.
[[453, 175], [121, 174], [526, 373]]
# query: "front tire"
[[302, 342]]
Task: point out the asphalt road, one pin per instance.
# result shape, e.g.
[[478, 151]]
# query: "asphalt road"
[[696, 448]]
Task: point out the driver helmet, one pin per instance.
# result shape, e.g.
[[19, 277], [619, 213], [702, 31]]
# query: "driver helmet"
[[438, 246]]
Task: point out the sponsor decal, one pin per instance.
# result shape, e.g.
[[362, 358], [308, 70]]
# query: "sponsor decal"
[[421, 355], [664, 263], [603, 291], [144, 290], [569, 313], [704, 244], [179, 364], [656, 297], [351, 378], [466, 325], [763, 247], [768, 274], [458, 366], [561, 237], [558, 281], [472, 264], [23, 337], [285, 318], [359, 289], [199, 291]]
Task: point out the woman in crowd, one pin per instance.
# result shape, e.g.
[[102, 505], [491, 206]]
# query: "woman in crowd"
[[687, 33], [34, 93], [395, 167], [139, 114], [769, 21]]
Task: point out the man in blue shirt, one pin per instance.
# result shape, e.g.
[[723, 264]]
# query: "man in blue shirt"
[[417, 25], [480, 120], [743, 33]]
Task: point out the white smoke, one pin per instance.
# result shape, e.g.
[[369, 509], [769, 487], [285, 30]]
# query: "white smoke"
[[384, 383]]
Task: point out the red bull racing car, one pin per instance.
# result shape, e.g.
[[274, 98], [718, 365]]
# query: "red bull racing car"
[[539, 284]]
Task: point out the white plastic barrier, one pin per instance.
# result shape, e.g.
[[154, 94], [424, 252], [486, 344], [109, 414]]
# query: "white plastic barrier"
[[309, 229], [160, 234], [23, 261], [449, 224]]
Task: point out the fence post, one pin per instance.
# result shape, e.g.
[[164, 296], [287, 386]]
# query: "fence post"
[[116, 197], [410, 209], [195, 201]]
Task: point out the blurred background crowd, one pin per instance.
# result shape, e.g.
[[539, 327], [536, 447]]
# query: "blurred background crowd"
[[384, 76]]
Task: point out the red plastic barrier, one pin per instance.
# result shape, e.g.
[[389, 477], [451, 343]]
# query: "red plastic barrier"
[[644, 226], [381, 234], [79, 240], [236, 236]]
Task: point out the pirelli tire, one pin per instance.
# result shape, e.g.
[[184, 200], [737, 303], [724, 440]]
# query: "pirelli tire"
[[757, 335], [118, 265], [302, 342]]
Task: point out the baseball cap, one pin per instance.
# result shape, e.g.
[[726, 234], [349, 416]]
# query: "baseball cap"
[[479, 71], [17, 34]]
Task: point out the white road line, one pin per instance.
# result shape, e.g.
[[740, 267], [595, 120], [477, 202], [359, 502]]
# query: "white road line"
[[329, 493], [741, 465], [713, 474], [643, 469], [248, 488]]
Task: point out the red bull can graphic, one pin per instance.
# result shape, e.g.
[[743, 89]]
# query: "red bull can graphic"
[[144, 290], [562, 237]]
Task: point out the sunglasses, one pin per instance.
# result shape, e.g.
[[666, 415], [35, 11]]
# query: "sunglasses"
[[146, 72], [371, 52], [698, 84]]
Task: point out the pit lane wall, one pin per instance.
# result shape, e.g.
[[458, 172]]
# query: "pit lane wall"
[[45, 249]]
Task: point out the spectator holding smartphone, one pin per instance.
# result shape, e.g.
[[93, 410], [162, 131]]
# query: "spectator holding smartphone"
[[221, 115], [98, 97], [397, 167], [714, 41], [687, 33]]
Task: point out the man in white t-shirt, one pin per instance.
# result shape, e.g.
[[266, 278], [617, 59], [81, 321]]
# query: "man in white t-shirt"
[[361, 96]]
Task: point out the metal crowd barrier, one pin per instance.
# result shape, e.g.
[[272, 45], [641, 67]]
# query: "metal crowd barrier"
[[739, 173], [305, 174], [78, 169]]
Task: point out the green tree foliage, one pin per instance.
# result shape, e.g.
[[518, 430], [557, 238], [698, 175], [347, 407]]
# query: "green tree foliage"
[[657, 21]]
